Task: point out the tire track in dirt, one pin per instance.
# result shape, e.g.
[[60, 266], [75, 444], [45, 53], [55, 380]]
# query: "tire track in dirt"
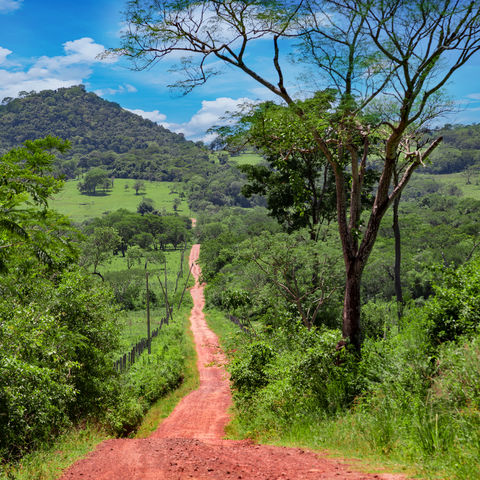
[[188, 444]]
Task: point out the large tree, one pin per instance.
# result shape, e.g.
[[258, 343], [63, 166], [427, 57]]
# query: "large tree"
[[385, 60]]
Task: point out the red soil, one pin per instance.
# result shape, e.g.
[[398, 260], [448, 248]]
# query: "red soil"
[[188, 444]]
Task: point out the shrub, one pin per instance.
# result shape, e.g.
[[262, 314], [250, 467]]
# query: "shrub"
[[455, 309]]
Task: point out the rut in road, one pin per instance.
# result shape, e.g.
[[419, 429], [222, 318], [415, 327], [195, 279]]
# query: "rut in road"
[[188, 444]]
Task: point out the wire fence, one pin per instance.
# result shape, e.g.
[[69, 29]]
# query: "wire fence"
[[129, 358]]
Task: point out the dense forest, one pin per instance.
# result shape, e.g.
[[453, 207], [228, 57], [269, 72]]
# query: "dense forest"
[[122, 144]]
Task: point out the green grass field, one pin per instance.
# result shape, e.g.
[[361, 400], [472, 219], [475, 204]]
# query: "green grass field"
[[247, 158], [471, 191], [79, 207]]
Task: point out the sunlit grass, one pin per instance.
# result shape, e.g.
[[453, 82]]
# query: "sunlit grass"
[[47, 463], [471, 190], [165, 405], [79, 207]]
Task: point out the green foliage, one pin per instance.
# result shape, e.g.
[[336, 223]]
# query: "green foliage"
[[93, 178], [54, 357], [116, 143], [455, 309], [26, 185], [291, 373], [460, 149], [147, 230], [101, 133], [99, 247], [150, 378], [249, 372], [270, 276]]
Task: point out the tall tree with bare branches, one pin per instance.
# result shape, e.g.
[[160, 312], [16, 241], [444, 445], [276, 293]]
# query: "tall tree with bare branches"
[[369, 52]]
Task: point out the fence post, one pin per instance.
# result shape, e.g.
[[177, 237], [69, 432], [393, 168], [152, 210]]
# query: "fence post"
[[148, 316]]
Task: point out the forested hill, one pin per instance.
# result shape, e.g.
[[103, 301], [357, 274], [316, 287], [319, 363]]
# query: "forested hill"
[[460, 149], [101, 134]]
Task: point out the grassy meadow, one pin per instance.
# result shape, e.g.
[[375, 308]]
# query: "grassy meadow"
[[79, 207], [471, 190], [247, 158], [134, 322]]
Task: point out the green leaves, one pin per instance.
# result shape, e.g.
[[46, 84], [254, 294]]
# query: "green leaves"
[[27, 227]]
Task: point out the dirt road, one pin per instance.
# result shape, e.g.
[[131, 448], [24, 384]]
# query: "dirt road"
[[188, 444]]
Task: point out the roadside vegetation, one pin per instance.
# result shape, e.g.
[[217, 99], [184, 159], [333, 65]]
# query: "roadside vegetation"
[[63, 326], [410, 400]]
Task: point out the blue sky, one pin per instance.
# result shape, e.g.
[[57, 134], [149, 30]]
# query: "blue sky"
[[47, 44]]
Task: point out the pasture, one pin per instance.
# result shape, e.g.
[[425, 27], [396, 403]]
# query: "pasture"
[[80, 207]]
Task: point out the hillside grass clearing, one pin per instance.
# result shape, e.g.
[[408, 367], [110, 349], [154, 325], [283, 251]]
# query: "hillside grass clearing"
[[471, 190], [79, 207]]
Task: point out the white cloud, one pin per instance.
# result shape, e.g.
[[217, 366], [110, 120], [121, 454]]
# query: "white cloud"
[[154, 116], [9, 5], [126, 87], [474, 96], [72, 68], [211, 114], [4, 53]]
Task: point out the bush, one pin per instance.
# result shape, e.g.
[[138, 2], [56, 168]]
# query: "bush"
[[455, 309], [148, 379], [290, 374], [54, 358]]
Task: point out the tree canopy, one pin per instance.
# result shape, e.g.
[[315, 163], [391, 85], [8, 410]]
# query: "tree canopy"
[[381, 66]]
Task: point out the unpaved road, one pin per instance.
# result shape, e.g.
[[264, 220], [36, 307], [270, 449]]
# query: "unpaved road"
[[188, 444]]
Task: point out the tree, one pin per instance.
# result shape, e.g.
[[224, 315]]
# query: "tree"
[[138, 185], [145, 206], [26, 185], [99, 247], [176, 204], [94, 178], [470, 172], [383, 62]]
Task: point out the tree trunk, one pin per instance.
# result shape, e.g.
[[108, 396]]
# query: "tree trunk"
[[351, 304], [398, 257]]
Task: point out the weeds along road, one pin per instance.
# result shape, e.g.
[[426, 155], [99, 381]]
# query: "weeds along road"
[[189, 445]]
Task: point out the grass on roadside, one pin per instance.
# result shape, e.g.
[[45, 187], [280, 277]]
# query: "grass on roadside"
[[165, 405], [229, 335], [49, 462], [333, 437]]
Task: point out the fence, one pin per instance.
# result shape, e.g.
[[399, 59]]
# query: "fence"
[[131, 357]]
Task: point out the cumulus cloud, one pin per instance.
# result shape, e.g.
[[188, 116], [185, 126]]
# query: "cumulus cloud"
[[4, 53], [72, 68], [212, 113], [7, 6], [154, 116]]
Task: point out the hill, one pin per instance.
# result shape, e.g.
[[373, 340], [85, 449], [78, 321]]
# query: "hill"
[[459, 151], [101, 133]]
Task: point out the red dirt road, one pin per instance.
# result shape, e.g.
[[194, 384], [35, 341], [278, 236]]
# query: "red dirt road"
[[188, 444]]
